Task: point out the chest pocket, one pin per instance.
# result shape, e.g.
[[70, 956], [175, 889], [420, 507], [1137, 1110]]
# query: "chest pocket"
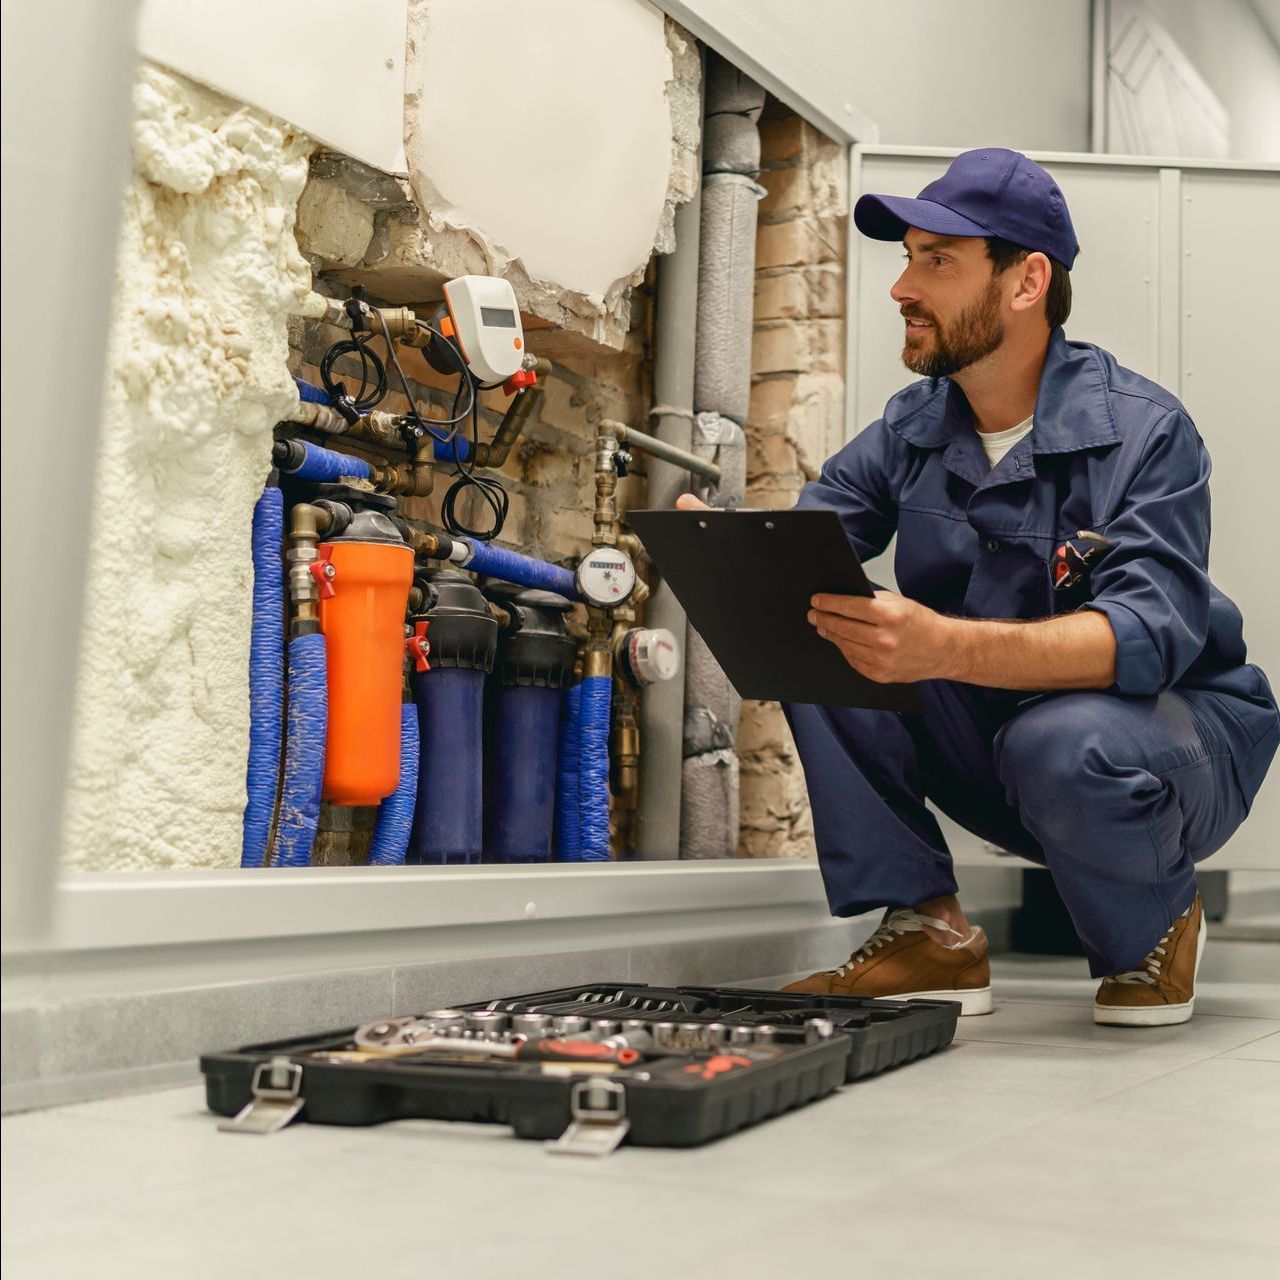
[[1071, 567]]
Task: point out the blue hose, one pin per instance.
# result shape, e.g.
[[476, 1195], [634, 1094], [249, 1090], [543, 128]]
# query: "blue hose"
[[511, 566], [316, 395], [568, 818], [323, 465], [593, 769], [448, 819], [304, 752], [395, 813], [266, 676]]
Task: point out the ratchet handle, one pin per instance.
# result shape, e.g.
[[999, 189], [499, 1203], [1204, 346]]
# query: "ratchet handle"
[[575, 1051]]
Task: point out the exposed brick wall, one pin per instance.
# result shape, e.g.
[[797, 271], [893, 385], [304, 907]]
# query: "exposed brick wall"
[[795, 421], [796, 415]]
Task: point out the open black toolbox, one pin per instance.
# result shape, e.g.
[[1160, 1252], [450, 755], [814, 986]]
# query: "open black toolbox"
[[729, 1058]]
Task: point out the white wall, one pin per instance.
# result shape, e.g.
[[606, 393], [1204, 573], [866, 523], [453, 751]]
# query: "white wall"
[[1011, 73], [1238, 57], [339, 77]]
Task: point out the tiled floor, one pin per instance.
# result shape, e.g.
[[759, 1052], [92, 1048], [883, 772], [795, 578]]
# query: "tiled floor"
[[1039, 1145]]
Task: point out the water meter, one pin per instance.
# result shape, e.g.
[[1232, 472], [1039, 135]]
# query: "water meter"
[[606, 577]]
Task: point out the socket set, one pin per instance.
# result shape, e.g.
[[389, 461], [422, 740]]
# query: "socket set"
[[583, 1067]]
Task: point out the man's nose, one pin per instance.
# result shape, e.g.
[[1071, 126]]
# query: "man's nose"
[[902, 291]]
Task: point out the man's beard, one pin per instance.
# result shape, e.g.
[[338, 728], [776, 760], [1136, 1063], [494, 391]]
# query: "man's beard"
[[975, 332]]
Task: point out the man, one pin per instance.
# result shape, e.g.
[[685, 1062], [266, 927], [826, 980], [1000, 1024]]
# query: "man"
[[1087, 703]]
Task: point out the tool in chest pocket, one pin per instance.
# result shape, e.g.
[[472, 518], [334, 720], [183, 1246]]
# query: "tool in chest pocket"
[[588, 1066], [1072, 560]]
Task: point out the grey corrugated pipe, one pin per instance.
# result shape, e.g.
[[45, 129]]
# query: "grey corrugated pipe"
[[722, 389], [662, 703]]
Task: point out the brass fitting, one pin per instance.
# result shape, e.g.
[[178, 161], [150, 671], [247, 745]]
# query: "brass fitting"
[[406, 481], [306, 524], [597, 657], [606, 512], [624, 745]]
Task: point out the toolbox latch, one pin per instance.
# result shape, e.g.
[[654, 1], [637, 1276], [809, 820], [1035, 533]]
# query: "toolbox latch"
[[277, 1099], [599, 1111]]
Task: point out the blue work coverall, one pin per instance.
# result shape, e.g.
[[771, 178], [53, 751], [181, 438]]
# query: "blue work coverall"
[[1118, 791]]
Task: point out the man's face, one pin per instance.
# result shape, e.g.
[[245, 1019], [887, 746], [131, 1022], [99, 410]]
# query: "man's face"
[[951, 301]]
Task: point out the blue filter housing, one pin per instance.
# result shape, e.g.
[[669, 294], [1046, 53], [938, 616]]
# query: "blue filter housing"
[[448, 818], [534, 664]]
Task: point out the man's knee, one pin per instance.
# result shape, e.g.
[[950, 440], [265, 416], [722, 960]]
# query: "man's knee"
[[1066, 762]]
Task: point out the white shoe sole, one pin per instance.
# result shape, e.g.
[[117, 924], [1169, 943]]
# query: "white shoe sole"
[[1156, 1015], [976, 1000]]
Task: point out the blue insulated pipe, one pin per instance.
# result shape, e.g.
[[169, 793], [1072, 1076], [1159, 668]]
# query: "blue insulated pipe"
[[456, 450], [593, 769], [304, 752], [520, 774], [511, 566], [266, 676], [568, 816], [395, 814], [449, 815], [323, 465]]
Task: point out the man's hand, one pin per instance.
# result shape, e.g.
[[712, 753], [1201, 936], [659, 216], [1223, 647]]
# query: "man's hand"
[[687, 502], [887, 638]]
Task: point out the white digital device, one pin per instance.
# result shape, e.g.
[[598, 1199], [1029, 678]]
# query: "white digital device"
[[486, 325], [606, 577]]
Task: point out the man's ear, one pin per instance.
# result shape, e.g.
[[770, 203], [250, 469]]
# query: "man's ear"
[[1033, 274]]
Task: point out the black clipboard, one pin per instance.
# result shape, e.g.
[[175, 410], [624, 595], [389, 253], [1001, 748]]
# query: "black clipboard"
[[745, 578]]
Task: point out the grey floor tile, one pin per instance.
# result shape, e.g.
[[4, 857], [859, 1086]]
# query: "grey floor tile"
[[1192, 1156], [1264, 1049], [1070, 1025]]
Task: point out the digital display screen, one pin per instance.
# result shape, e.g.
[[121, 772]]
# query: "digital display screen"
[[500, 317]]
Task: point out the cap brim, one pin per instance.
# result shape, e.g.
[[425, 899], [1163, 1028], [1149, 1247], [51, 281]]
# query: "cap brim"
[[888, 217]]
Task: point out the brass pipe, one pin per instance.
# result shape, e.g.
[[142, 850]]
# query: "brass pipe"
[[519, 412]]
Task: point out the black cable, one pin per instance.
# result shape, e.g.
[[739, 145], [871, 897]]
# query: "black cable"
[[373, 376], [490, 489]]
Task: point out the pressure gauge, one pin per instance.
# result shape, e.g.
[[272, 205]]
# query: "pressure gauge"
[[606, 577], [486, 325]]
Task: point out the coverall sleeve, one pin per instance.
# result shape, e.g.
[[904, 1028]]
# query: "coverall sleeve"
[[1153, 583], [854, 483]]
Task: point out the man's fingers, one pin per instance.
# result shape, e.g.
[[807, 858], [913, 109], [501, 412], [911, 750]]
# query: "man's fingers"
[[841, 625], [847, 606]]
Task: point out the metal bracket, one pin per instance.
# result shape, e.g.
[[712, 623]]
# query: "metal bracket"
[[599, 1111], [277, 1099]]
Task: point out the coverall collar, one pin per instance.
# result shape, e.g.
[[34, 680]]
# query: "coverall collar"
[[1073, 407]]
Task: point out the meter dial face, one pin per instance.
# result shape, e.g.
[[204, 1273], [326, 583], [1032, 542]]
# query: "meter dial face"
[[606, 577]]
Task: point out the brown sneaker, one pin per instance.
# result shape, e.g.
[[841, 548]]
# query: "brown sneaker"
[[1162, 991], [902, 961]]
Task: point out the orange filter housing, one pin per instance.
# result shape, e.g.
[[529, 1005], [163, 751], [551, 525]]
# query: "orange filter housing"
[[362, 619]]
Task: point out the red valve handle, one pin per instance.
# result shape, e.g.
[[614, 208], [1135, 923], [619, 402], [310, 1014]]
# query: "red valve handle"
[[323, 572], [519, 380], [419, 646]]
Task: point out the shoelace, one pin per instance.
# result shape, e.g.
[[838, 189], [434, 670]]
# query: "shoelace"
[[1150, 970], [894, 925]]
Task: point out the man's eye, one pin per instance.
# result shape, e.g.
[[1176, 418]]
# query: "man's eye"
[[937, 262]]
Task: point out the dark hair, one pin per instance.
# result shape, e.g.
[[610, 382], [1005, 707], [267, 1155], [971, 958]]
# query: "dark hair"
[[1057, 300]]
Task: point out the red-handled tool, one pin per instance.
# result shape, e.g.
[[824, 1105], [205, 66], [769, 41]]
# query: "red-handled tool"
[[575, 1051]]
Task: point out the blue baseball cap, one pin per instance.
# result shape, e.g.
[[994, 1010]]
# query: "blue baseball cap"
[[987, 192]]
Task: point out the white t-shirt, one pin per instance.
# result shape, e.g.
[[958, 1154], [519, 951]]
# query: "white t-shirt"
[[998, 443]]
